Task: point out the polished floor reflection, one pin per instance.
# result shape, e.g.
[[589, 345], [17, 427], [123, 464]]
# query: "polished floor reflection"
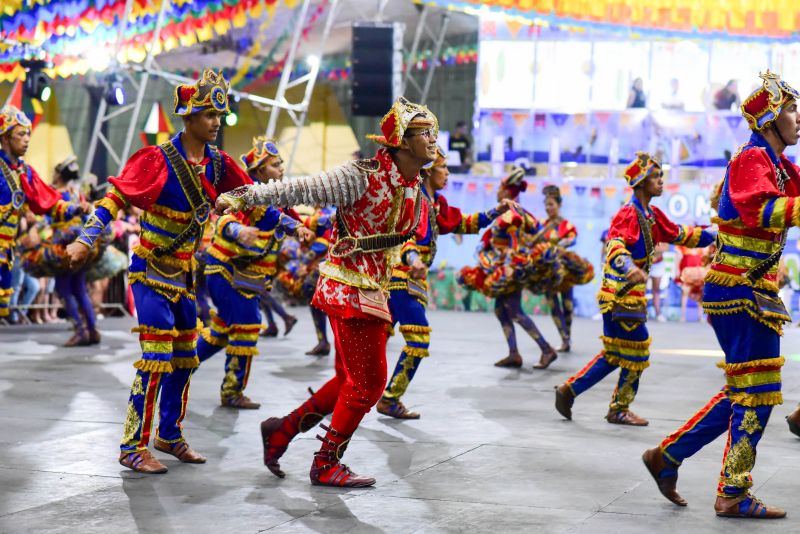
[[490, 454]]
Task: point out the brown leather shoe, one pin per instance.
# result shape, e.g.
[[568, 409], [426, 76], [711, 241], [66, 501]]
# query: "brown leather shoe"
[[291, 320], [565, 398], [270, 331], [793, 420], [395, 409], [77, 340], [180, 450], [142, 462], [94, 337], [547, 357], [626, 418], [512, 361], [655, 462], [565, 347], [746, 506], [323, 348], [241, 402]]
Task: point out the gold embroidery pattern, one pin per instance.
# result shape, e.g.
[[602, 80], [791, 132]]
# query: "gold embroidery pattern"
[[738, 462], [750, 422], [132, 423]]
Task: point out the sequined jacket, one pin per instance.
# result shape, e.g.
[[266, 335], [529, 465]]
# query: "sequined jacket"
[[626, 248], [372, 198], [149, 182], [758, 202]]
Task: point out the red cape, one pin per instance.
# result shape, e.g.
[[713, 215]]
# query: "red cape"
[[40, 196]]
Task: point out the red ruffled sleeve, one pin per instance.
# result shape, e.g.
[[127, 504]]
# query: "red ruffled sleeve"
[[143, 177], [449, 218], [233, 177], [664, 230], [625, 226], [40, 196]]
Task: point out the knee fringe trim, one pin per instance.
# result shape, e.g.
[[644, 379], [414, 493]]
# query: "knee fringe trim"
[[153, 366], [253, 328], [732, 280], [169, 292], [205, 333], [241, 351], [730, 307], [768, 362], [626, 364], [389, 330], [771, 398], [180, 362], [6, 292], [415, 328], [627, 343], [416, 352], [187, 332], [153, 330]]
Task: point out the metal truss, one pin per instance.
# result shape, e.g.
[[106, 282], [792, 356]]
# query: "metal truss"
[[434, 32], [139, 76]]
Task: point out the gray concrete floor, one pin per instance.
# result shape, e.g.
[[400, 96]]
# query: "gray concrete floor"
[[490, 454]]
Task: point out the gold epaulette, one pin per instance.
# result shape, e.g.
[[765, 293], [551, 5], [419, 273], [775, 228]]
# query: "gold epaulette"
[[368, 165]]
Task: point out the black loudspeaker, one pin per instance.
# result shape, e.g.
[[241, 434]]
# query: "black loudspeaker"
[[377, 67]]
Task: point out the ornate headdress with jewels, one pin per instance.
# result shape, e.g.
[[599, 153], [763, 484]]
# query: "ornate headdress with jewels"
[[761, 108], [210, 92], [640, 168], [403, 115], [10, 117], [262, 150]]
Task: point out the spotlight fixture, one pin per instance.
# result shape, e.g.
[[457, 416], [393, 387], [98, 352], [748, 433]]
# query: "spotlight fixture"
[[233, 117], [114, 92], [37, 83]]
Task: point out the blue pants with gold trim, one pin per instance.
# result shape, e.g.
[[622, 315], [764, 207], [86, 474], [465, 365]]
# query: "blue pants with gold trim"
[[753, 374], [625, 346], [235, 328], [5, 286], [410, 313], [562, 306], [168, 335]]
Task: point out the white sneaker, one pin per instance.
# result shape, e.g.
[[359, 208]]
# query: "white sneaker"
[[661, 319]]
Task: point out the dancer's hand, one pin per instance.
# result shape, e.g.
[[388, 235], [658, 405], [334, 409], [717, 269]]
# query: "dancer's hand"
[[636, 275], [305, 235], [77, 253], [227, 203], [418, 270], [247, 235]]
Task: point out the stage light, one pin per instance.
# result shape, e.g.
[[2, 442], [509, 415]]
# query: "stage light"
[[115, 92], [233, 116], [312, 61], [37, 83]]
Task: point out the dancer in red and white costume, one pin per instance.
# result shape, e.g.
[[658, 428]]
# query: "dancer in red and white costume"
[[379, 203]]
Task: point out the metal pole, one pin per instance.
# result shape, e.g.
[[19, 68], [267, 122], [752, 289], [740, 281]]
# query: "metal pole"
[[312, 80], [287, 69], [415, 46], [134, 119], [435, 59]]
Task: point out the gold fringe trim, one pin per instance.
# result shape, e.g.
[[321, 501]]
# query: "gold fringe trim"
[[742, 305], [182, 362], [732, 280], [767, 362], [241, 351], [185, 216], [187, 331], [416, 352], [205, 333], [627, 343], [626, 364], [171, 293], [185, 265], [389, 330], [153, 330], [771, 398], [415, 328], [153, 366]]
